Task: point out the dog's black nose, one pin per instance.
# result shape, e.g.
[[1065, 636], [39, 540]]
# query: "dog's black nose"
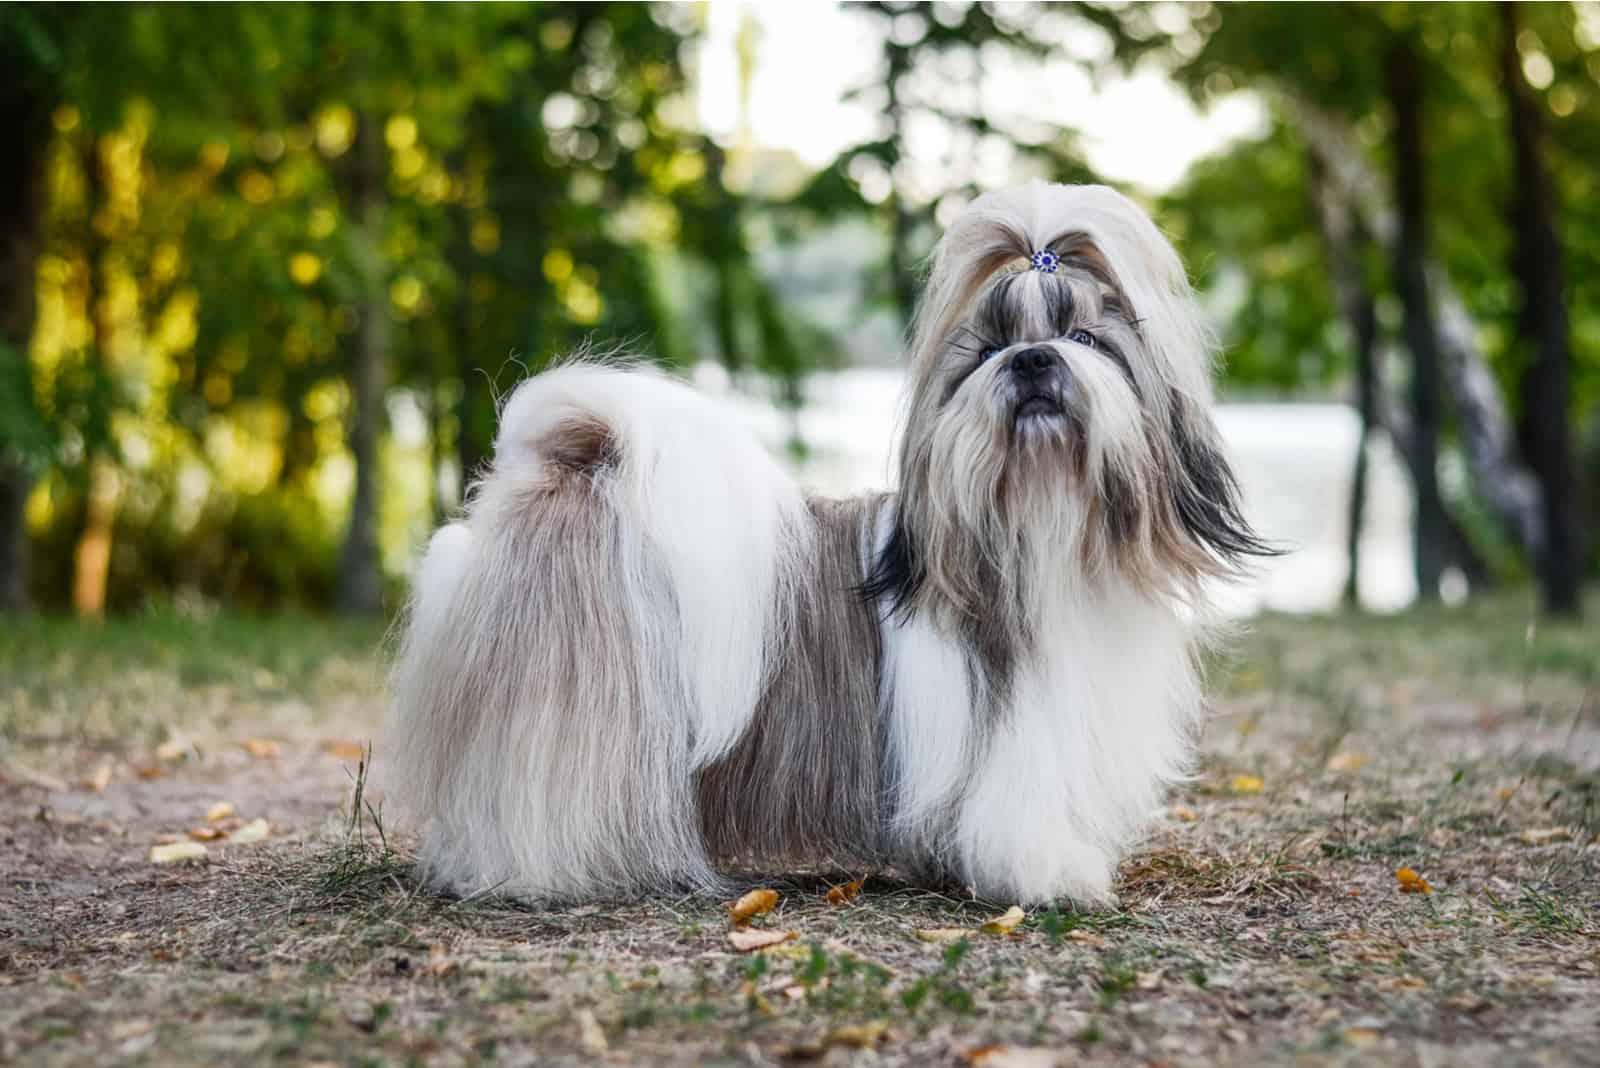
[[1034, 362]]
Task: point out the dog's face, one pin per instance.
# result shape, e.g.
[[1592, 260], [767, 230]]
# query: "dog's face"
[[1060, 407]]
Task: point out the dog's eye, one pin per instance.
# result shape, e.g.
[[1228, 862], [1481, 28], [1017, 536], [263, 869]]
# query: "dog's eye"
[[987, 354], [1083, 337]]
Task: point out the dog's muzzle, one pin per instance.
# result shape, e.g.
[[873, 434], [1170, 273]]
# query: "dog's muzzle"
[[1040, 382]]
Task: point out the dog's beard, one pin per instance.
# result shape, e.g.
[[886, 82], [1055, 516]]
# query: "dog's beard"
[[1046, 446]]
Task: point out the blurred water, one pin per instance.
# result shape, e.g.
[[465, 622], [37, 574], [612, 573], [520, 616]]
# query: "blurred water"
[[1293, 460]]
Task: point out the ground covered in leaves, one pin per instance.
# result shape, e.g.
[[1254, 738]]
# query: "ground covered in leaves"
[[1390, 855]]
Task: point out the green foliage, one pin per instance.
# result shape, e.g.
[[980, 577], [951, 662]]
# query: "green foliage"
[[215, 229]]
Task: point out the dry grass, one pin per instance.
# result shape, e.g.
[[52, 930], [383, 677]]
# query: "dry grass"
[[1261, 922]]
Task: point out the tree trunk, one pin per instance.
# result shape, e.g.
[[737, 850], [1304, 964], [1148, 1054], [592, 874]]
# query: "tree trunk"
[[1536, 261], [91, 557], [25, 115], [1509, 490], [1343, 241], [359, 589], [1409, 257]]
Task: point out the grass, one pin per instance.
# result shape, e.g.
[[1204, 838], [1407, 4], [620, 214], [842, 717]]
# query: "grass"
[[1260, 922]]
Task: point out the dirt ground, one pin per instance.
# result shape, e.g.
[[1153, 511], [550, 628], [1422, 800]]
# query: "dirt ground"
[[1262, 921]]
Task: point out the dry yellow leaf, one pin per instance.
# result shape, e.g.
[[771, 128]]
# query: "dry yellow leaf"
[[1545, 835], [751, 905], [942, 934], [439, 962], [788, 951], [1013, 1057], [1361, 1036], [1505, 793], [261, 747], [254, 831], [1347, 761], [590, 1034], [219, 811], [149, 771], [344, 750], [172, 749], [846, 893], [207, 833], [1412, 883], [859, 1036], [100, 778], [1006, 922], [1246, 784], [1184, 813], [748, 939], [177, 851]]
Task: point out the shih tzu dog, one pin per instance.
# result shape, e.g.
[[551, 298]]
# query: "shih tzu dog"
[[645, 658]]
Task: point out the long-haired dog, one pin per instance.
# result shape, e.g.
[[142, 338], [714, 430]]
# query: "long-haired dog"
[[645, 657]]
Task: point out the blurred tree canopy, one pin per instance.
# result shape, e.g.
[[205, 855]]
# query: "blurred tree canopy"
[[268, 268]]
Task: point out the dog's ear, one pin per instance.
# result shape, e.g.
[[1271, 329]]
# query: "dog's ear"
[[1205, 492], [987, 238]]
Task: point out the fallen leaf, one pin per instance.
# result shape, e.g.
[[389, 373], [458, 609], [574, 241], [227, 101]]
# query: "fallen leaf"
[[219, 811], [207, 833], [1246, 784], [439, 962], [149, 771], [101, 777], [1184, 813], [1505, 793], [254, 831], [1006, 922], [261, 748], [751, 905], [1469, 1003], [942, 934], [859, 1036], [590, 1035], [1013, 1057], [343, 750], [1088, 938], [788, 951], [1361, 1036], [171, 854], [748, 939], [1347, 761], [174, 748], [130, 1029], [1412, 883], [843, 895], [1545, 835]]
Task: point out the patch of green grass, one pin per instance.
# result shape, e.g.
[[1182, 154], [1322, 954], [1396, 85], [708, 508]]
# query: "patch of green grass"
[[1540, 911], [139, 676]]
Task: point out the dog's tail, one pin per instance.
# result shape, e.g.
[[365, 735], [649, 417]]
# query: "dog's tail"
[[595, 631]]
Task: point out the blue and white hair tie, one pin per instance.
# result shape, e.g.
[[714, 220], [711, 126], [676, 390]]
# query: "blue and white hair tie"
[[1046, 261]]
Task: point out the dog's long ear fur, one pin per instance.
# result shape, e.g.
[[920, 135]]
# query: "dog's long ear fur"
[[1205, 494]]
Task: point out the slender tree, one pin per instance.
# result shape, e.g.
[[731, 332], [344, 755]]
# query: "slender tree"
[[359, 589], [1542, 318], [1409, 259], [1344, 241], [29, 50]]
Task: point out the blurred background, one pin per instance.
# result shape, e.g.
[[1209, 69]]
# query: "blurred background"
[[264, 270]]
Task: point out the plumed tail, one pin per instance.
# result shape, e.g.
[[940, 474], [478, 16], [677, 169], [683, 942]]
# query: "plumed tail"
[[593, 632]]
